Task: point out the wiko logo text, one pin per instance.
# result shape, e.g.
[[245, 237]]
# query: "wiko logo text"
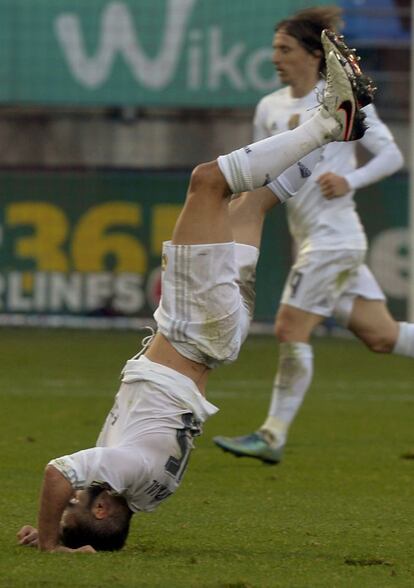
[[207, 64]]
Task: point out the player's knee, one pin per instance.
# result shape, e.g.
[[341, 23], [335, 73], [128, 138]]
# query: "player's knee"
[[379, 342], [284, 329], [206, 179]]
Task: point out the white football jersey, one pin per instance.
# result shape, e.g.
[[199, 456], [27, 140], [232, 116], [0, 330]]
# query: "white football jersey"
[[144, 446], [315, 222]]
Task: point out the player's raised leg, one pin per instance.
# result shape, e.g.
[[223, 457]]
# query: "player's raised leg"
[[205, 217], [338, 119]]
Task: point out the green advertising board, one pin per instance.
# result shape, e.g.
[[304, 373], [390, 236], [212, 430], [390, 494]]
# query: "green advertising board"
[[153, 52], [89, 244], [85, 243]]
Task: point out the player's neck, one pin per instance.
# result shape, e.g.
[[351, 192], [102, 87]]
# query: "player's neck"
[[302, 87]]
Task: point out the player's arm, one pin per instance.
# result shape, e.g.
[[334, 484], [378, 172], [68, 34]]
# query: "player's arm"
[[386, 155], [383, 164], [55, 494], [386, 159], [54, 497]]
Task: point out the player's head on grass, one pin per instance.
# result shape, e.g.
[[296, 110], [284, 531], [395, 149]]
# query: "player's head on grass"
[[306, 27], [97, 517]]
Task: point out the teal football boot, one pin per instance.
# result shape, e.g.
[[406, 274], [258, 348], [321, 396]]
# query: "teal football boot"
[[253, 445]]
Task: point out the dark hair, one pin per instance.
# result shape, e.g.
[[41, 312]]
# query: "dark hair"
[[108, 534], [307, 25]]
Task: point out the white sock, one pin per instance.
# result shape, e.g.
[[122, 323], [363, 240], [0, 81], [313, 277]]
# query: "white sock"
[[291, 383], [258, 164], [291, 180], [405, 341]]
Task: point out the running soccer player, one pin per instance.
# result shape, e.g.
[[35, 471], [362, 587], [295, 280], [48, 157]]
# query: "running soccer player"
[[142, 452], [329, 276]]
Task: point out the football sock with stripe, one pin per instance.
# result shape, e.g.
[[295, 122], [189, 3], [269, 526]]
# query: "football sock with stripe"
[[290, 181], [258, 164]]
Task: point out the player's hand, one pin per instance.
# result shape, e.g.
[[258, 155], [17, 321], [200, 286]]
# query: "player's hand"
[[86, 549], [28, 536], [332, 185], [83, 549]]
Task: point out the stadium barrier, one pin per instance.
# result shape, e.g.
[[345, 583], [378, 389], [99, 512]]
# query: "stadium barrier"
[[83, 248]]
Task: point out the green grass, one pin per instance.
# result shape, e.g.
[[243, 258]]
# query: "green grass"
[[337, 513]]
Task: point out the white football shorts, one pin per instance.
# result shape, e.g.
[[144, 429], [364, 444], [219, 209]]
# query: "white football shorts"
[[327, 282], [207, 299]]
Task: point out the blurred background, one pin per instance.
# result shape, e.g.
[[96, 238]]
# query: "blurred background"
[[105, 106]]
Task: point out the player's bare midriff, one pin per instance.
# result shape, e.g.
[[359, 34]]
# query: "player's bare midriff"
[[161, 351]]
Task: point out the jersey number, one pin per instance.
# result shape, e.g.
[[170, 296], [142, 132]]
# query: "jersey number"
[[294, 283], [176, 467]]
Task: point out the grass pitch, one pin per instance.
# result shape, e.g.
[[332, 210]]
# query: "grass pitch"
[[338, 512]]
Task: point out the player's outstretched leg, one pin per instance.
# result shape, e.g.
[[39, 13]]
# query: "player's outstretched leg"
[[339, 118]]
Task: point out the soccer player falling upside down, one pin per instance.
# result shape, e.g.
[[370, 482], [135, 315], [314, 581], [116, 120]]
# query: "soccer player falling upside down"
[[88, 497]]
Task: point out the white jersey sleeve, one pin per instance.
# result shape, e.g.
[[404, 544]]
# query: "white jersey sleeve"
[[140, 477], [387, 157], [116, 466]]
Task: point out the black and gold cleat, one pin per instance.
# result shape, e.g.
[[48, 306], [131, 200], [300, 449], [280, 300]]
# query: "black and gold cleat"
[[362, 84]]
